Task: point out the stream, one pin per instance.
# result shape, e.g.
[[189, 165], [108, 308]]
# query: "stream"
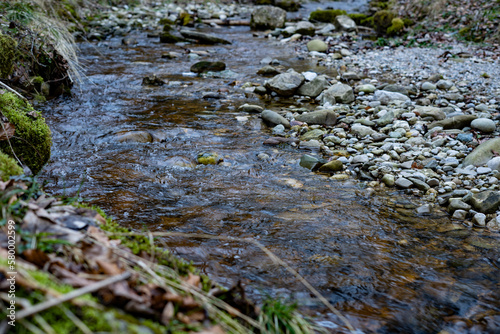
[[385, 268]]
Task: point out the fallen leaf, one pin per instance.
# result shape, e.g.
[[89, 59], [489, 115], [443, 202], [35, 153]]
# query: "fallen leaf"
[[197, 316], [167, 314], [36, 257], [109, 268], [194, 280], [7, 131]]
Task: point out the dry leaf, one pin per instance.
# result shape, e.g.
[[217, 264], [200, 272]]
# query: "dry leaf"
[[98, 234], [197, 316], [214, 330], [7, 131], [189, 303], [174, 298], [167, 314], [108, 268], [36, 257], [194, 280]]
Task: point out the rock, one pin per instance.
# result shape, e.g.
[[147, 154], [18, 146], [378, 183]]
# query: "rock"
[[279, 140], [367, 88], [320, 117], [345, 23], [386, 97], [135, 137], [278, 130], [332, 166], [434, 112], [310, 162], [396, 89], [268, 70], [486, 201], [465, 137], [129, 41], [361, 131], [457, 204], [180, 162], [250, 108], [327, 29], [152, 80], [208, 158], [267, 17], [203, 38], [403, 183], [312, 134], [389, 180], [314, 87], [388, 118], [428, 86], [312, 144], [419, 184], [317, 45], [479, 219], [341, 93], [205, 66], [274, 118], [444, 84], [483, 153], [285, 84], [456, 122], [169, 37], [483, 124], [305, 28], [494, 164], [424, 209], [459, 214], [360, 159]]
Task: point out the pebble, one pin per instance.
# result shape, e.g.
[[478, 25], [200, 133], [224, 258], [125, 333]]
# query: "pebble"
[[483, 124]]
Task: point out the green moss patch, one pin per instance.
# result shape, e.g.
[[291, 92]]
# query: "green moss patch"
[[382, 20], [326, 15], [396, 27], [8, 52], [8, 167], [32, 140]]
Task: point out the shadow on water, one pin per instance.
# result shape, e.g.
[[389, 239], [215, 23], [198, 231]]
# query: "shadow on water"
[[386, 269]]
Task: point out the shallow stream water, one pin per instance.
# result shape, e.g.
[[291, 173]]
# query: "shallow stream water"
[[385, 268]]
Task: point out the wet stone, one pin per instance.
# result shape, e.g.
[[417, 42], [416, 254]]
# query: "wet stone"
[[208, 158], [310, 162], [457, 204], [486, 202], [332, 166], [206, 66], [403, 183]]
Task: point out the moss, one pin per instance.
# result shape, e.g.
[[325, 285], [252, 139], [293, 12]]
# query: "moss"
[[382, 20], [264, 2], [358, 18], [408, 22], [166, 21], [37, 80], [8, 52], [8, 167], [396, 27], [326, 15], [32, 139], [368, 22]]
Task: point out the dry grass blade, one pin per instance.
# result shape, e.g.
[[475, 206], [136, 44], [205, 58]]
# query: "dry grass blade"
[[270, 254]]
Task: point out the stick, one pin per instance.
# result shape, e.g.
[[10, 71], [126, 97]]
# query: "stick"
[[72, 295], [13, 91]]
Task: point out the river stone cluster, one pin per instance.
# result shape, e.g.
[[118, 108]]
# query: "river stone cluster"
[[433, 133]]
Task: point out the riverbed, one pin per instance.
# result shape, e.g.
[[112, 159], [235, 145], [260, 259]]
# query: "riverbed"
[[387, 269]]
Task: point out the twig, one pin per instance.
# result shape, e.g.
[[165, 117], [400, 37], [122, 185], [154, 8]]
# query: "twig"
[[13, 91], [72, 295]]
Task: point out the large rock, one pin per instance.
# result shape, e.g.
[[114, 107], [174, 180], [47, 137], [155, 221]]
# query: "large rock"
[[486, 201], [332, 166], [313, 134], [305, 28], [397, 89], [205, 66], [310, 162], [434, 112], [340, 92], [483, 124], [321, 117], [268, 17], [456, 122], [203, 38], [317, 45], [386, 97], [362, 130], [272, 117], [314, 87], [345, 23], [483, 153], [285, 84]]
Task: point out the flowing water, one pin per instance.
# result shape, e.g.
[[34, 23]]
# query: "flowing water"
[[387, 269]]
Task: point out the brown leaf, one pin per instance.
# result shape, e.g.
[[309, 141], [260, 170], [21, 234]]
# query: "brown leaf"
[[214, 330], [174, 298], [98, 234], [189, 303], [194, 280], [197, 316], [108, 268], [183, 318], [36, 257], [139, 308], [7, 131], [167, 314]]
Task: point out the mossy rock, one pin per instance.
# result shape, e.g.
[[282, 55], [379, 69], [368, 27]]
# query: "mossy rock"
[[327, 15], [8, 167], [166, 37], [32, 138], [264, 2], [8, 52], [396, 28], [358, 18], [382, 20]]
